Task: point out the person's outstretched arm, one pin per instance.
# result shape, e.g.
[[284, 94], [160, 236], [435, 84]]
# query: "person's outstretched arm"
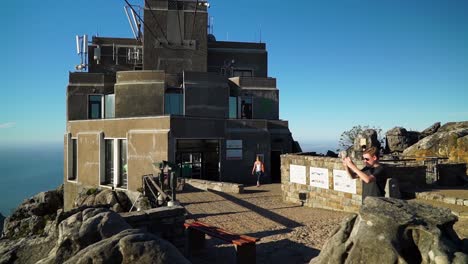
[[352, 167]]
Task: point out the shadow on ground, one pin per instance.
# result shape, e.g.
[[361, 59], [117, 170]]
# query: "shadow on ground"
[[281, 251], [286, 222]]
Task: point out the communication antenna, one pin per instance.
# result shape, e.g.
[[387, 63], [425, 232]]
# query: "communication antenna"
[[82, 51], [135, 24]]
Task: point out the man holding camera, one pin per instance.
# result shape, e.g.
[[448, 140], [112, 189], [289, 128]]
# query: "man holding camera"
[[373, 175]]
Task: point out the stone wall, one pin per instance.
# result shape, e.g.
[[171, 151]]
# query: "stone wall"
[[165, 222], [315, 196], [330, 195]]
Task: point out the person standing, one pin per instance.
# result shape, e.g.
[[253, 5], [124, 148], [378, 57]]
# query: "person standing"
[[258, 169], [373, 175]]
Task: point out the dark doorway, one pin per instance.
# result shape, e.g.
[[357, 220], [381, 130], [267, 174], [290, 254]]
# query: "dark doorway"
[[198, 158], [275, 166]]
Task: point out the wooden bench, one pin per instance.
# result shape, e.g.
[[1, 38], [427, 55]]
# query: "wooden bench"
[[245, 245]]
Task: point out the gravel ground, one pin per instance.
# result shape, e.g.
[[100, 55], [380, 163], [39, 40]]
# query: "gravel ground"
[[288, 233]]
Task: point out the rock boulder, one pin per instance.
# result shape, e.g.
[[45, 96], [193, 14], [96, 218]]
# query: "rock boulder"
[[451, 144], [117, 200], [430, 130], [398, 139], [388, 230], [32, 216], [130, 246]]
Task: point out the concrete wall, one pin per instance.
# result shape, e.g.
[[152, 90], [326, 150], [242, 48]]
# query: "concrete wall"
[[139, 93], [145, 147], [80, 86], [255, 140], [166, 52], [249, 56], [206, 95], [318, 197], [147, 143]]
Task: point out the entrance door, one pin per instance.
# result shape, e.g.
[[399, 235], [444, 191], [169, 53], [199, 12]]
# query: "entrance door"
[[198, 158], [275, 166]]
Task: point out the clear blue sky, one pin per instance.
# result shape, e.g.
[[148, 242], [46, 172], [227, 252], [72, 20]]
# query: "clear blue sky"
[[338, 64]]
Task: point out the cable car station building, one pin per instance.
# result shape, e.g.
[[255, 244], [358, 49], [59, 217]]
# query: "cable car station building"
[[174, 94]]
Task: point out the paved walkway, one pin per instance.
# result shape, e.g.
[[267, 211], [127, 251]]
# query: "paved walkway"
[[289, 233]]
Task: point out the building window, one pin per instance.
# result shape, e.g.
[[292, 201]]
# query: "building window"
[[232, 107], [109, 106], [95, 107], [123, 167], [246, 108], [242, 73], [108, 162], [173, 104], [72, 161]]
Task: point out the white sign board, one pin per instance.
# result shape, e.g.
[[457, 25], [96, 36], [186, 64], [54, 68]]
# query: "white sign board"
[[297, 174], [233, 144], [319, 177], [233, 154], [343, 182]]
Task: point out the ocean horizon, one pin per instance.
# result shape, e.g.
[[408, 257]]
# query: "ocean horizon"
[[28, 170]]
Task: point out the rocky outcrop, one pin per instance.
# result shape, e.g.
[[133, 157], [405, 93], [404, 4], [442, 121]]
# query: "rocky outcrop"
[[368, 138], [430, 130], [450, 141], [130, 246], [90, 235], [83, 229], [398, 139], [117, 200], [390, 230], [34, 214]]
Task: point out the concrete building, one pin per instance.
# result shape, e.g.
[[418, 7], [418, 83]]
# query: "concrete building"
[[173, 94]]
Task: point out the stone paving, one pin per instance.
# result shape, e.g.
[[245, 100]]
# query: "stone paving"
[[289, 233]]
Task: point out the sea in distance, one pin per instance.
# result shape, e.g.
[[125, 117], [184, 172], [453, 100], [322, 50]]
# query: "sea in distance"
[[28, 170]]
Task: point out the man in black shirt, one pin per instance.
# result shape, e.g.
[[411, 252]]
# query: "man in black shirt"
[[372, 175]]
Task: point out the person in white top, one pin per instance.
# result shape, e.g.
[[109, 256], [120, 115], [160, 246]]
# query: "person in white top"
[[258, 169]]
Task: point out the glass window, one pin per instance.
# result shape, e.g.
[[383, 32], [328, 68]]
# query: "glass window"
[[74, 165], [109, 162], [173, 104], [95, 107], [232, 107], [123, 177], [109, 106]]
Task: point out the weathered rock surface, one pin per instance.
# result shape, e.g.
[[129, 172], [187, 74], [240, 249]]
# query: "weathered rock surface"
[[130, 246], [398, 139], [389, 230], [453, 126], [368, 137], [34, 214], [90, 235], [83, 229], [117, 200], [430, 130], [452, 144]]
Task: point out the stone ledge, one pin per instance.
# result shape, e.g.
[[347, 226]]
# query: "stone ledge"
[[441, 198], [226, 187]]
